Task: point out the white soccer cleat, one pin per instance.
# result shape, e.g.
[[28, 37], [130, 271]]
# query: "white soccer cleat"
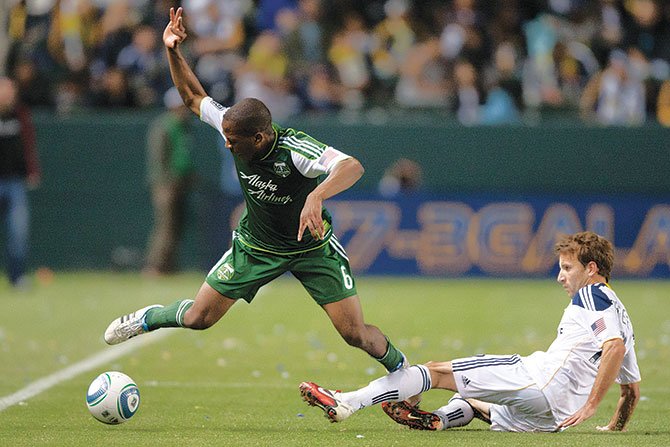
[[334, 409], [127, 326]]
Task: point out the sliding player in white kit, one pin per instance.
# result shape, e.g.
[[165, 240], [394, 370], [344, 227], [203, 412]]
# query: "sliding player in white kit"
[[545, 391]]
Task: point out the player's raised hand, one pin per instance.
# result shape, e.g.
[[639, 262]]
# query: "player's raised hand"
[[175, 32]]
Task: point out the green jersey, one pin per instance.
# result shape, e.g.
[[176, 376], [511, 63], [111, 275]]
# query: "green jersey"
[[276, 186]]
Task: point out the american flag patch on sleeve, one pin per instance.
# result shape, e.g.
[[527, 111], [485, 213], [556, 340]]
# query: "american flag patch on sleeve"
[[328, 156], [598, 326]]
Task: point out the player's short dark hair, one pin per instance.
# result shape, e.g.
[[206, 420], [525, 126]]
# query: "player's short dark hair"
[[249, 116], [588, 246]]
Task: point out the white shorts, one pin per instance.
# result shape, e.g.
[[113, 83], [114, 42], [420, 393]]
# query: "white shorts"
[[502, 380]]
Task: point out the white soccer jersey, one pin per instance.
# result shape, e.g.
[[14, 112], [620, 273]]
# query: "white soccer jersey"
[[211, 112], [567, 371]]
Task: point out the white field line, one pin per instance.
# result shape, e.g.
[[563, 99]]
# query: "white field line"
[[102, 357], [229, 385]]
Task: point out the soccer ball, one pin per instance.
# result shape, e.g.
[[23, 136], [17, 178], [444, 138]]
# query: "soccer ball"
[[113, 397]]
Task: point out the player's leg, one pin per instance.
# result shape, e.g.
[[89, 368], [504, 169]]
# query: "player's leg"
[[394, 387], [501, 391], [457, 413], [397, 386], [482, 410], [442, 375], [326, 275], [239, 274], [207, 308], [203, 312], [223, 286], [347, 317], [528, 411], [407, 414]]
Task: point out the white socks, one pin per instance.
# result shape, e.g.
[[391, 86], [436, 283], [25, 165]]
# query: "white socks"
[[456, 413], [403, 384], [397, 386]]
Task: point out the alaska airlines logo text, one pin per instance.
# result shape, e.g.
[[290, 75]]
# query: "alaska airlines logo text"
[[264, 190]]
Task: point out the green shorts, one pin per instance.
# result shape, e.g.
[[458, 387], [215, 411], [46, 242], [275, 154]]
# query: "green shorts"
[[324, 272]]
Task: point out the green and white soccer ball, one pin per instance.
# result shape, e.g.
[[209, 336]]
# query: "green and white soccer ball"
[[113, 397]]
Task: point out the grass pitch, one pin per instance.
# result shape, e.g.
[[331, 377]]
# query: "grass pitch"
[[236, 383]]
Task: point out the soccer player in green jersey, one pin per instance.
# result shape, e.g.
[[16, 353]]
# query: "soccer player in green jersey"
[[284, 227]]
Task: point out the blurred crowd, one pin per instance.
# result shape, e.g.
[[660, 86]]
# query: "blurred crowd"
[[484, 61]]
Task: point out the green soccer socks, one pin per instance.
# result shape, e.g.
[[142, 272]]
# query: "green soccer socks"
[[168, 316], [393, 359]]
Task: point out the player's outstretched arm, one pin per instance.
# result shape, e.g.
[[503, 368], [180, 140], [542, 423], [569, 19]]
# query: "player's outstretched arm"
[[610, 364], [343, 176], [630, 396], [190, 88]]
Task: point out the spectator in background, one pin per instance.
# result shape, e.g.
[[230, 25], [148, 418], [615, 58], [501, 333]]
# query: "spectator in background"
[[321, 91], [114, 29], [154, 13], [217, 25], [616, 95], [113, 91], [423, 77], [304, 37], [468, 93], [170, 168], [502, 81], [505, 25], [265, 76], [344, 54], [392, 40], [540, 85], [647, 31], [218, 40], [348, 53], [609, 35], [651, 74], [28, 32], [28, 58], [462, 36], [33, 85], [19, 170], [73, 33], [145, 66], [267, 10], [575, 64]]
